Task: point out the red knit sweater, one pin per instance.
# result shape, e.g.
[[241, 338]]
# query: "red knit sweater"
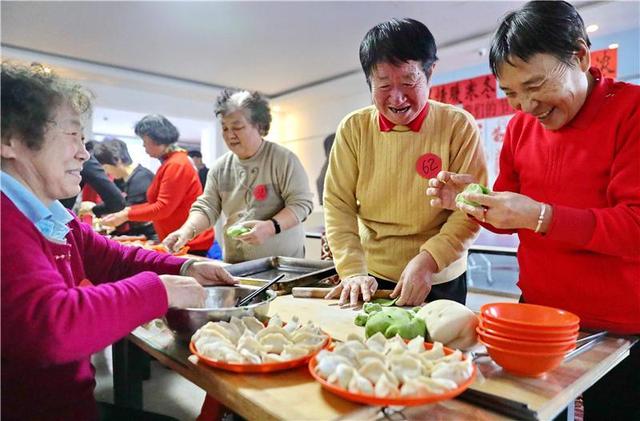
[[589, 171], [51, 326], [169, 198]]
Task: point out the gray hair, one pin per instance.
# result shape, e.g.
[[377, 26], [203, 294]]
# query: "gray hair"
[[254, 105], [158, 128]]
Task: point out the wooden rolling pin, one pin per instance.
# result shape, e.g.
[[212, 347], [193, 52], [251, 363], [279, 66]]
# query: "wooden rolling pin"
[[309, 292]]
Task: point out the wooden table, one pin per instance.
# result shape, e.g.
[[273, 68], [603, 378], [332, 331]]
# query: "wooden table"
[[295, 395]]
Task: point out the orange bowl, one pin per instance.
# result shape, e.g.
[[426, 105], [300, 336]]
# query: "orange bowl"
[[259, 368], [526, 346], [526, 334], [531, 316], [399, 401], [525, 364]]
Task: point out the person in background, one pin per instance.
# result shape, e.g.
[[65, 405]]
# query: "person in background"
[[196, 156], [380, 230], [51, 324], [94, 176], [257, 184], [134, 179], [569, 185], [174, 188], [328, 143]]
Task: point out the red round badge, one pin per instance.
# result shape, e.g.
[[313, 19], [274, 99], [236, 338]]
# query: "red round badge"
[[260, 192], [428, 165]]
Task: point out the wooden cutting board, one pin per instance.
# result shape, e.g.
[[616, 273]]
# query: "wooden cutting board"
[[311, 292]]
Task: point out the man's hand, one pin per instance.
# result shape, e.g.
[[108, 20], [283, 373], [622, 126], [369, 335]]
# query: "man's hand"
[[415, 281], [210, 273], [260, 232], [445, 187], [177, 239], [506, 210], [352, 287], [116, 219], [183, 291]]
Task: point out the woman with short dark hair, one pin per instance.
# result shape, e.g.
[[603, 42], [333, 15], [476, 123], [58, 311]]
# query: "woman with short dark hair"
[[569, 184], [174, 188]]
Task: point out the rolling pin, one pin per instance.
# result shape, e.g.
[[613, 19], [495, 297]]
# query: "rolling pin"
[[310, 292]]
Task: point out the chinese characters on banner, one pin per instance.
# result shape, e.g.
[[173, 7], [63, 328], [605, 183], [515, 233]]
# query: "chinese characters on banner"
[[479, 97]]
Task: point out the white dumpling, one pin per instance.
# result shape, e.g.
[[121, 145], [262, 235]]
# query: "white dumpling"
[[359, 384], [221, 352], [405, 367], [250, 357], [376, 342], [275, 321], [435, 353], [210, 339], [232, 331], [322, 354], [366, 354], [395, 343], [273, 329], [292, 352], [307, 338], [411, 387], [341, 376], [252, 324], [328, 364], [268, 357], [250, 343], [416, 345], [457, 372], [436, 386], [274, 342], [238, 324], [453, 357], [355, 337], [372, 370], [292, 325], [349, 349], [385, 388], [311, 328]]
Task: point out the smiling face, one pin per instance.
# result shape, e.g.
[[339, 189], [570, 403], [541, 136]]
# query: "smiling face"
[[53, 171], [547, 88], [242, 138], [399, 92]]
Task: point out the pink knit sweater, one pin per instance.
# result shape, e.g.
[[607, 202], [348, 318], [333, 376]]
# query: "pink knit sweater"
[[51, 326]]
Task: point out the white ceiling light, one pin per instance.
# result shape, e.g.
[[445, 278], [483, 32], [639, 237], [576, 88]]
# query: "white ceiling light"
[[613, 46], [592, 28]]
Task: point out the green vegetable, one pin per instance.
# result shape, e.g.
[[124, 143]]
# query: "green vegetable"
[[472, 188], [371, 307], [385, 302], [392, 321], [237, 230], [361, 319]]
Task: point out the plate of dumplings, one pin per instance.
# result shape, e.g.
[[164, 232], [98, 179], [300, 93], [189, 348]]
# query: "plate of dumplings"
[[381, 371], [247, 345]]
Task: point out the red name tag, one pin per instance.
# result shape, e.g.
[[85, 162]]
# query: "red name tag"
[[428, 165]]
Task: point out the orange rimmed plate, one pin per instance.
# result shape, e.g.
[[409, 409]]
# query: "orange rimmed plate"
[[259, 368], [400, 401]]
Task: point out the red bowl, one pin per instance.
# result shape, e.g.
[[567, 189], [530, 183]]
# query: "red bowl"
[[531, 316], [526, 346], [525, 364], [522, 333]]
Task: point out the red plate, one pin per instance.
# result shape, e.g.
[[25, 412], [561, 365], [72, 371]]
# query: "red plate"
[[403, 401], [259, 368]]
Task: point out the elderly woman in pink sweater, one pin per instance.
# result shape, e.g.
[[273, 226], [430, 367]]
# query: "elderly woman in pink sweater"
[[50, 323]]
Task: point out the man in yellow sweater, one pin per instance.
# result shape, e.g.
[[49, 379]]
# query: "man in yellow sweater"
[[380, 226]]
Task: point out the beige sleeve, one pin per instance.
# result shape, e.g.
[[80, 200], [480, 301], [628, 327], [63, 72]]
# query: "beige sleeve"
[[340, 205], [467, 157], [294, 185], [209, 202]]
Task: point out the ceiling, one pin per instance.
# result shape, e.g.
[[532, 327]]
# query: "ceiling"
[[273, 47]]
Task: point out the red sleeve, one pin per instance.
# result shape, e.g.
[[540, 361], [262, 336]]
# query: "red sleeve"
[[171, 193]]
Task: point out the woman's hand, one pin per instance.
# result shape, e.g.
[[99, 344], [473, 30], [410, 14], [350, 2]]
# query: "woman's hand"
[[210, 273], [415, 281], [86, 208], [177, 239], [260, 232], [446, 186], [352, 287], [183, 291], [116, 219], [505, 210]]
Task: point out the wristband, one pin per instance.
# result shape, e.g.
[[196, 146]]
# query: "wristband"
[[543, 210], [276, 225], [186, 266]]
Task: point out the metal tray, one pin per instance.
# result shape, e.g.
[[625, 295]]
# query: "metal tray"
[[298, 272]]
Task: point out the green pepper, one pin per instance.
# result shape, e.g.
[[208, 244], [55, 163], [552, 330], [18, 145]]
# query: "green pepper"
[[371, 308], [383, 320], [237, 230], [472, 188], [361, 319], [385, 302]]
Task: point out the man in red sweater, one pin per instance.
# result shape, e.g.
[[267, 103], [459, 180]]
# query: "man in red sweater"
[[569, 185]]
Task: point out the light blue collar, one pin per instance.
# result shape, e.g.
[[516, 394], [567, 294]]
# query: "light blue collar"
[[51, 221]]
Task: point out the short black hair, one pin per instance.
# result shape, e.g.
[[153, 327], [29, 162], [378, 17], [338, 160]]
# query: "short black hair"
[[539, 27], [195, 154], [398, 41], [112, 150], [158, 128], [30, 96]]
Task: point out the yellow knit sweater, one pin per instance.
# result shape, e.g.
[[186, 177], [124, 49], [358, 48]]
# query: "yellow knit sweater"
[[377, 214]]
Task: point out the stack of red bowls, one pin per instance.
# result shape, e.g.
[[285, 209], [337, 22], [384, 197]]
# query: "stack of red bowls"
[[527, 339]]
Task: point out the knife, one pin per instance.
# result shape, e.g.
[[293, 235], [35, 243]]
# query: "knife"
[[311, 292]]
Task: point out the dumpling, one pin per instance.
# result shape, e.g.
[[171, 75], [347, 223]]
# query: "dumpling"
[[211, 339], [435, 353], [306, 338], [453, 357], [221, 352], [367, 355], [385, 388], [457, 372], [232, 331], [291, 352], [373, 370], [416, 345], [216, 330], [237, 323], [355, 337], [341, 376], [359, 384], [349, 349], [250, 343], [411, 387], [405, 367], [273, 329], [274, 342], [271, 358], [322, 354], [394, 343], [328, 364], [376, 342], [252, 324], [250, 357], [292, 325], [437, 386], [275, 321]]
